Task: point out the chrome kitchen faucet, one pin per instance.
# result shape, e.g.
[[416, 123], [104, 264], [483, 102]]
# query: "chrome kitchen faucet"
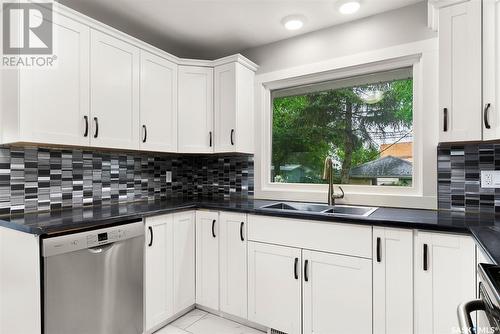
[[328, 175]]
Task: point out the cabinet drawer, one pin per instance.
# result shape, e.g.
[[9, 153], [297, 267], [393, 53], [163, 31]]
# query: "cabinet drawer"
[[340, 238]]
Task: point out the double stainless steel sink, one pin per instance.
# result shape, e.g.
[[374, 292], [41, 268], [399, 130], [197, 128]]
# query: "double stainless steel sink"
[[335, 210]]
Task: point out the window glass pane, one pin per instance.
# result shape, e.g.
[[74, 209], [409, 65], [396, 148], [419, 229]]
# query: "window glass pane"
[[364, 123]]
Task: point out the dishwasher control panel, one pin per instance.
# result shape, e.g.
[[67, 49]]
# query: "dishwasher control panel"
[[107, 237], [90, 239]]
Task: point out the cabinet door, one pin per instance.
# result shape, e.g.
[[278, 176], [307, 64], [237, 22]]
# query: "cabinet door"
[[460, 72], [337, 294], [444, 278], [158, 110], [274, 287], [207, 259], [392, 281], [184, 260], [233, 264], [225, 108], [158, 270], [196, 89], [234, 108], [491, 69], [114, 90], [54, 102]]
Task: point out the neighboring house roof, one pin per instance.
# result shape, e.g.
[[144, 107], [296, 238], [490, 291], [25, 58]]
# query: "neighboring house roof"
[[388, 166]]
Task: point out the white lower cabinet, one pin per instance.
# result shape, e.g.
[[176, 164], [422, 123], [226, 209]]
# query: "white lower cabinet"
[[233, 264], [274, 286], [169, 267], [207, 259], [158, 271], [392, 280], [300, 291], [444, 278], [184, 260], [337, 294], [410, 282]]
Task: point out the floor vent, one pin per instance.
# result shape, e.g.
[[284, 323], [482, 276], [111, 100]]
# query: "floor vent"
[[275, 331]]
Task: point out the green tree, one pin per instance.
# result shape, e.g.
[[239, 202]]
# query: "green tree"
[[343, 122]]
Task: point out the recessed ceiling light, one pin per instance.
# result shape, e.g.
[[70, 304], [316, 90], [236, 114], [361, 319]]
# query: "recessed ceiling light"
[[293, 22], [349, 7]]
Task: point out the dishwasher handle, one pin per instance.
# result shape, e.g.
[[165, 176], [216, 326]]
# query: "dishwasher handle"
[[464, 318], [100, 249]]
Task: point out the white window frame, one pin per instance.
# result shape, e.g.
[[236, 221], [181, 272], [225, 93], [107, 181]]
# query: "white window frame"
[[423, 56]]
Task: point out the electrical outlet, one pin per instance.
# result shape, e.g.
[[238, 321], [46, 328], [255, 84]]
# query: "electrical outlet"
[[168, 177], [490, 179]]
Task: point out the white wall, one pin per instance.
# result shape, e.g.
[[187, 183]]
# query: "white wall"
[[392, 28]]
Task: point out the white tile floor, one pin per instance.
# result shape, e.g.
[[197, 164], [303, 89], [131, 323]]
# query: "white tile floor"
[[201, 322]]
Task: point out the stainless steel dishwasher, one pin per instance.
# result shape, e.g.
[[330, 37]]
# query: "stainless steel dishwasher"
[[93, 281]]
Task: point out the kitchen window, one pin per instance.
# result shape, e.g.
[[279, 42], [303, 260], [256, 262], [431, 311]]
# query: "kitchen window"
[[364, 122], [393, 149]]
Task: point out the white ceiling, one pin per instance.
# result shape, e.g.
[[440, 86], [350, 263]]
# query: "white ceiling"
[[215, 28]]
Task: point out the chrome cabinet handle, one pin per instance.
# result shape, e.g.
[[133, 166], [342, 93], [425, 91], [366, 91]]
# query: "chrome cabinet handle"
[[232, 137], [151, 236], [86, 132], [145, 133], [485, 116], [445, 119], [96, 133]]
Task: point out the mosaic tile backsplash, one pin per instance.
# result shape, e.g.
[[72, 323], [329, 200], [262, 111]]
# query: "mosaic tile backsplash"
[[41, 179], [459, 169]]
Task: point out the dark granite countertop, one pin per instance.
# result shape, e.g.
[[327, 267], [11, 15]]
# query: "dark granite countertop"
[[484, 228]]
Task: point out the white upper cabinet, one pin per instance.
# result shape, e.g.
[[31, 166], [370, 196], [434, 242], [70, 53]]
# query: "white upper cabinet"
[[207, 259], [233, 264], [444, 278], [114, 92], [337, 294], [196, 87], [109, 90], [234, 108], [158, 103], [51, 105], [392, 281], [491, 69], [460, 115]]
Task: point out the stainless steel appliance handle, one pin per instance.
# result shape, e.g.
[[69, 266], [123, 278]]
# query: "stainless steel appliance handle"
[[464, 310], [101, 249]]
